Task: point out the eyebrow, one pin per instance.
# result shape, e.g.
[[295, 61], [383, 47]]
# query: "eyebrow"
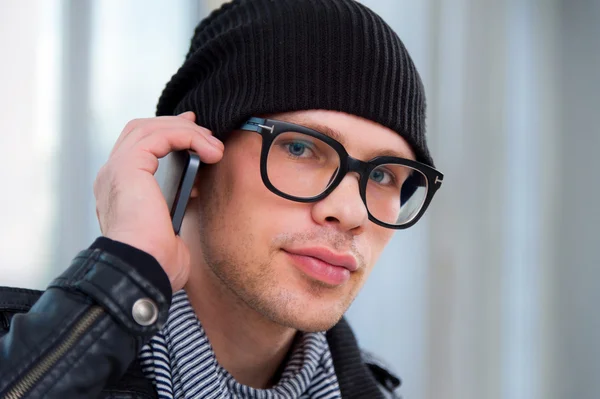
[[339, 137]]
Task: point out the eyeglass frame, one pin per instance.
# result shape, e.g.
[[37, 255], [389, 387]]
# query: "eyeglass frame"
[[269, 129]]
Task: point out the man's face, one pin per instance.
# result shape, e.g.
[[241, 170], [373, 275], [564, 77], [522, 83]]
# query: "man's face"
[[253, 240]]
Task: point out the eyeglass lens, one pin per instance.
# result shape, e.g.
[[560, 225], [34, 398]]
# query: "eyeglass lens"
[[304, 166]]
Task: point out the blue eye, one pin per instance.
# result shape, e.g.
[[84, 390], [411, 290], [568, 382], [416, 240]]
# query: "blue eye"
[[377, 175], [296, 148], [381, 176], [299, 148]]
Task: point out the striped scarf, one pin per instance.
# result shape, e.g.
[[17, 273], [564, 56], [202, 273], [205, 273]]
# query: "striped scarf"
[[180, 362]]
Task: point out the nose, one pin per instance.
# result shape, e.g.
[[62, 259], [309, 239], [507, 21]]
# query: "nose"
[[343, 207]]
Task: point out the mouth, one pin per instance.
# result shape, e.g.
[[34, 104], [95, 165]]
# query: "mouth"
[[324, 265]]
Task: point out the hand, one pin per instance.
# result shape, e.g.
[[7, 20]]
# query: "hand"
[[129, 204]]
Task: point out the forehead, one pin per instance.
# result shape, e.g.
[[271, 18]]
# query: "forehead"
[[362, 138]]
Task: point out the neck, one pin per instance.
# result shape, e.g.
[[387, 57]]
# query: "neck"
[[248, 345]]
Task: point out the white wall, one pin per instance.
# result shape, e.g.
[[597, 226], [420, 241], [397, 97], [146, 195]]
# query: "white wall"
[[577, 284], [29, 41]]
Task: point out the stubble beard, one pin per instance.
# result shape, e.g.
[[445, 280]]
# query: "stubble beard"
[[227, 246], [260, 290]]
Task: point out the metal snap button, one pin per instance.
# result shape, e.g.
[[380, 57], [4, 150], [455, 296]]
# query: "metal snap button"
[[144, 312]]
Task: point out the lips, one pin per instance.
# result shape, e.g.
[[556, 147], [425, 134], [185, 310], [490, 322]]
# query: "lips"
[[321, 264], [325, 255]]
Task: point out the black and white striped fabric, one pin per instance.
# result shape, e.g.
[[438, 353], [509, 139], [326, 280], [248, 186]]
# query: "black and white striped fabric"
[[180, 362]]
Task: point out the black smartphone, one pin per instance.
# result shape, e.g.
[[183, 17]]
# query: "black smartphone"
[[175, 175]]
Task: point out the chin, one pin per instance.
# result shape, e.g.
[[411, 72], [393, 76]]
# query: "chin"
[[319, 326], [309, 323], [308, 305], [282, 295], [306, 313]]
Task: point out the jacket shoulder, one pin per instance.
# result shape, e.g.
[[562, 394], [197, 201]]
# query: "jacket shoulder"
[[15, 300]]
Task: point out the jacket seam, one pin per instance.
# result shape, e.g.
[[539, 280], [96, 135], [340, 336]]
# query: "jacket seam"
[[77, 281], [116, 308], [115, 264], [133, 275], [13, 305], [120, 309], [80, 272], [20, 290]]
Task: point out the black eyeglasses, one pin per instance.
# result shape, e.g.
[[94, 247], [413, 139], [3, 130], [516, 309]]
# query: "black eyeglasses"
[[304, 165]]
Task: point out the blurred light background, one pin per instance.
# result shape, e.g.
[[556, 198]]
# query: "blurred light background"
[[493, 295]]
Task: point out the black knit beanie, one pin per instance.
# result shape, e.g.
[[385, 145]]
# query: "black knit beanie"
[[258, 57]]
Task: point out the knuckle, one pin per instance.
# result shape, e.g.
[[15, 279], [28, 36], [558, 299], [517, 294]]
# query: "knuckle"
[[139, 127], [205, 130], [146, 160], [132, 124]]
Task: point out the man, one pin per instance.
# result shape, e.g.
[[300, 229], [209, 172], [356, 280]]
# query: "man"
[[309, 118]]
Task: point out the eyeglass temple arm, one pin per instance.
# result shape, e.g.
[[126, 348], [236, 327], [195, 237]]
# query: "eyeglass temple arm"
[[255, 124]]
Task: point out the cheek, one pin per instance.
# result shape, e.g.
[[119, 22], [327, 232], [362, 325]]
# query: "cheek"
[[251, 199], [374, 241], [238, 205], [248, 195]]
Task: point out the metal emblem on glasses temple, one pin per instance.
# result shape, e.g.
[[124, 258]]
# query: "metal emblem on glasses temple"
[[269, 128], [438, 180]]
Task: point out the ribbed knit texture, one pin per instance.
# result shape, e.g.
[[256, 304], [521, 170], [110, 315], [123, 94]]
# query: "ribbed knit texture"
[[180, 362], [354, 378], [259, 57]]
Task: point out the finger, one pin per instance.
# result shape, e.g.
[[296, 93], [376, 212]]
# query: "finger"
[[189, 115], [164, 141], [129, 127], [155, 124], [139, 125], [131, 144]]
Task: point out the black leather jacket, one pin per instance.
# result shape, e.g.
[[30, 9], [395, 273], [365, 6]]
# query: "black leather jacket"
[[79, 339]]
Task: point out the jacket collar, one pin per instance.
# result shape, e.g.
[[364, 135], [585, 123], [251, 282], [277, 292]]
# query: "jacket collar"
[[354, 376]]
